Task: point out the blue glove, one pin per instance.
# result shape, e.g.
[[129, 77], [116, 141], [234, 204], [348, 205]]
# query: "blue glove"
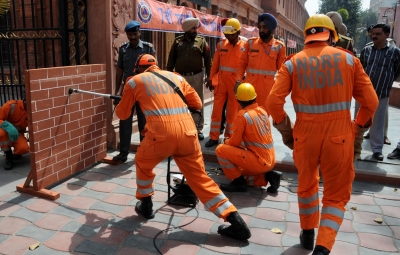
[[13, 133]]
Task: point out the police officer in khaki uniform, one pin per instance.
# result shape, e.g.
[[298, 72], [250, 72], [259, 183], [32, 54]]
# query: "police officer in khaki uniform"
[[186, 56], [127, 56]]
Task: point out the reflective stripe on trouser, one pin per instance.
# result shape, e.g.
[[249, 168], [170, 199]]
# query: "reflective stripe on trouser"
[[20, 146], [197, 82], [236, 162], [223, 92], [179, 139], [262, 84], [327, 147]]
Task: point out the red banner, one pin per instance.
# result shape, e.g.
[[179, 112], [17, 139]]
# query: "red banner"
[[158, 16]]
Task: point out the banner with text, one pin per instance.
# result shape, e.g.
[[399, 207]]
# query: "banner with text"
[[158, 16]]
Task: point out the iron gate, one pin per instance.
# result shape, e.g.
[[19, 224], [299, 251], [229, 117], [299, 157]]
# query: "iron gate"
[[39, 34]]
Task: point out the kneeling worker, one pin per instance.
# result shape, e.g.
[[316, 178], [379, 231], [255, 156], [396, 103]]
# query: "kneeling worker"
[[13, 123], [170, 131], [251, 166]]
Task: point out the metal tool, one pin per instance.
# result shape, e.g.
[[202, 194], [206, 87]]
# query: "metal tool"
[[71, 90]]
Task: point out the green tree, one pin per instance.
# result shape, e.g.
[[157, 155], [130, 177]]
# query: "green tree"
[[344, 13], [368, 18]]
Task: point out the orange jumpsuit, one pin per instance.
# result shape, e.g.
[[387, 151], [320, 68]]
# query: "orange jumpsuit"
[[260, 62], [252, 127], [323, 80], [170, 131], [14, 112], [224, 66]]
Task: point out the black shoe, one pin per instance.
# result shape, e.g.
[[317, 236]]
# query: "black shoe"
[[144, 207], [366, 136], [200, 135], [386, 141], [395, 154], [237, 185], [121, 157], [307, 239], [9, 160], [320, 250], [378, 156], [211, 143], [17, 156], [274, 179], [238, 228]]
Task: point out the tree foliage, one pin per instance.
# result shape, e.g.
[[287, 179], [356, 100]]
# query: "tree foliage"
[[368, 18], [344, 13]]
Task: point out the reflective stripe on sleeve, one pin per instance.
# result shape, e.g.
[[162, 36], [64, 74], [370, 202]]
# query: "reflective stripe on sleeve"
[[259, 71], [166, 111], [215, 201], [228, 69], [259, 145], [248, 118], [289, 66], [132, 83]]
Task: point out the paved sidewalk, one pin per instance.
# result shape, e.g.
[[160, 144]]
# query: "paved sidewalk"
[[95, 215]]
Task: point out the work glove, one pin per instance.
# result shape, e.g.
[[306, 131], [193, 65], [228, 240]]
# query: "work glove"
[[13, 133], [359, 137], [209, 85], [286, 130], [116, 101]]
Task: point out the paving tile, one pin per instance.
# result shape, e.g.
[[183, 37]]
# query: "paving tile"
[[199, 225], [341, 248], [65, 241], [204, 251], [168, 219], [223, 244], [69, 189], [293, 229], [365, 228], [3, 237], [68, 211], [110, 236], [104, 187], [6, 195], [391, 221], [387, 196], [93, 194], [36, 233], [79, 228], [27, 214], [82, 183], [125, 224], [142, 242], [265, 237], [151, 229], [288, 241], [382, 201], [93, 176], [290, 217], [270, 214], [159, 187], [11, 225], [365, 208], [365, 251], [8, 208], [397, 243], [257, 223], [160, 196], [94, 218], [377, 242], [21, 199], [347, 226], [9, 247], [256, 249], [118, 199], [296, 250], [172, 247], [129, 213], [348, 215], [196, 238], [173, 210], [241, 200], [119, 181], [42, 205], [292, 198], [131, 183], [278, 197], [362, 199], [52, 221], [293, 208], [246, 210], [348, 238], [81, 202], [396, 231], [391, 211], [276, 205], [44, 250], [64, 198], [132, 251], [95, 248], [102, 206], [126, 174], [366, 218]]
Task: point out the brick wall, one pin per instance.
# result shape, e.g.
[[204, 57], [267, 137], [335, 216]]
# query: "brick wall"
[[67, 133]]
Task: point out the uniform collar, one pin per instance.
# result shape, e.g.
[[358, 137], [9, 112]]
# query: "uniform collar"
[[140, 44], [252, 106], [153, 68], [315, 43]]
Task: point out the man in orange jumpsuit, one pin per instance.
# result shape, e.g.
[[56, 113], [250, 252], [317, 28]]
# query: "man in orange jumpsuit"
[[225, 62], [170, 131], [322, 81], [262, 58], [253, 164], [13, 123]]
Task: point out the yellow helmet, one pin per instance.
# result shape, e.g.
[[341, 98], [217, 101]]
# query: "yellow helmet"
[[231, 26], [317, 27], [245, 92]]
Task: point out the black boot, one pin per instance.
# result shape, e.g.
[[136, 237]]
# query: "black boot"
[[320, 250], [144, 207], [274, 179], [238, 228], [9, 160], [237, 185], [307, 239], [121, 157], [211, 143]]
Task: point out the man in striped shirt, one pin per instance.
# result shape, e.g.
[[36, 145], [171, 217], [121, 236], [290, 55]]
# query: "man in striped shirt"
[[381, 61]]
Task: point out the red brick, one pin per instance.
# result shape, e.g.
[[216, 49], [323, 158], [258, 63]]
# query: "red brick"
[[59, 139], [41, 115], [86, 87], [63, 155], [73, 142], [57, 92], [86, 154], [44, 104], [97, 118], [37, 74], [85, 121], [91, 77], [89, 129], [97, 133], [74, 98], [102, 76], [77, 166], [78, 79], [90, 161], [44, 124], [55, 72], [100, 140], [59, 148], [101, 125], [40, 135], [97, 102], [47, 162], [62, 169], [100, 155], [60, 101], [76, 115], [70, 70], [39, 94], [88, 112], [98, 86], [58, 130], [61, 120], [62, 82], [96, 68], [83, 69], [72, 107], [77, 150], [34, 86], [85, 104], [48, 83], [48, 143], [39, 155], [47, 181], [76, 132], [43, 172], [72, 125]]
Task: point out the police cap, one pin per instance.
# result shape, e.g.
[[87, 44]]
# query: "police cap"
[[132, 26]]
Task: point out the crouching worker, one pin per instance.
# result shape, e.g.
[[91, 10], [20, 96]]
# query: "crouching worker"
[[170, 131], [13, 123], [251, 166]]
